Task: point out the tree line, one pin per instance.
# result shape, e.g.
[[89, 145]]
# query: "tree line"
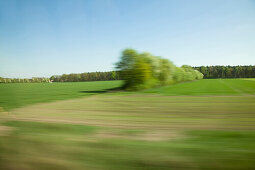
[[24, 80], [92, 76], [73, 77], [211, 72], [143, 70]]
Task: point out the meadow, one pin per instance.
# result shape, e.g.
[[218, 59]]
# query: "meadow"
[[204, 124], [15, 95]]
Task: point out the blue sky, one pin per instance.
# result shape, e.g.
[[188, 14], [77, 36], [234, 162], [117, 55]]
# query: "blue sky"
[[48, 37]]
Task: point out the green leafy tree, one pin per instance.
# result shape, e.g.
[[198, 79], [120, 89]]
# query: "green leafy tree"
[[143, 70]]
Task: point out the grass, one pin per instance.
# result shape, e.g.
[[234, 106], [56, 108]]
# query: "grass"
[[209, 87], [20, 94], [207, 124], [69, 147]]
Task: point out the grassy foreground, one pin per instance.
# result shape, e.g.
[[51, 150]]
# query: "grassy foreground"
[[206, 127]]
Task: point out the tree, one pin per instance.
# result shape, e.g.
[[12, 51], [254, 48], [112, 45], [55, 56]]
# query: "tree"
[[227, 71], [143, 70], [166, 71]]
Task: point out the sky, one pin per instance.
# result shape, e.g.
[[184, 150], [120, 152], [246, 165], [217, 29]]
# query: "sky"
[[40, 38]]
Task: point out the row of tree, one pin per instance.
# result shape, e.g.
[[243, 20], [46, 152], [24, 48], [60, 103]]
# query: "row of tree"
[[80, 77], [143, 70], [92, 76], [211, 72], [24, 80]]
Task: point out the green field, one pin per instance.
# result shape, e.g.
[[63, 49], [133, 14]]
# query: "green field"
[[20, 94], [206, 124], [209, 87], [17, 94]]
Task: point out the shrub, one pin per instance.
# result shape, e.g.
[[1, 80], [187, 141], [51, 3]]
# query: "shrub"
[[143, 70]]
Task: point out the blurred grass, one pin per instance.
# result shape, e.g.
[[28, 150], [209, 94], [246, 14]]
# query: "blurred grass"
[[132, 132], [207, 124], [75, 147]]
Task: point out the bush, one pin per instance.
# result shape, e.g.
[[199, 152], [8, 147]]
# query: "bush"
[[143, 70]]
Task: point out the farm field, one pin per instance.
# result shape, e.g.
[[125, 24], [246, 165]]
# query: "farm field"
[[20, 94], [209, 87], [205, 124]]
